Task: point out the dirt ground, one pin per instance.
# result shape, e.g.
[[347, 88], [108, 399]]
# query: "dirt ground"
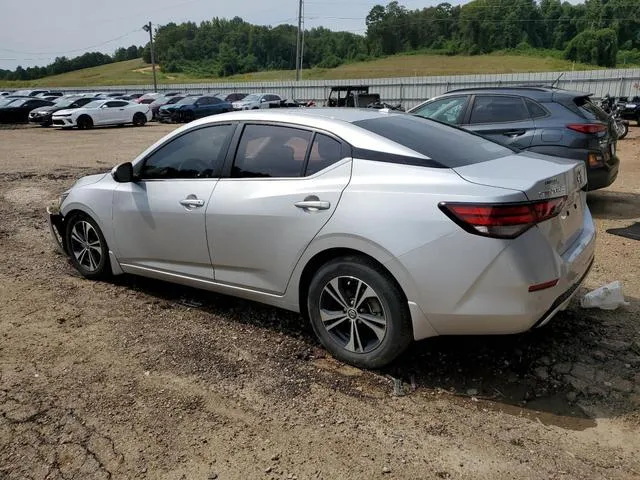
[[135, 378]]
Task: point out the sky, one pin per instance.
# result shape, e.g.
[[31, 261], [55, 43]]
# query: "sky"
[[34, 32]]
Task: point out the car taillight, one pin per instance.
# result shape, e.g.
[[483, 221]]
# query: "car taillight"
[[587, 127], [502, 220]]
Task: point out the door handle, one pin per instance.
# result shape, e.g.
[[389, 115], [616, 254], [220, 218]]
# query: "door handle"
[[312, 204], [192, 202], [514, 133]]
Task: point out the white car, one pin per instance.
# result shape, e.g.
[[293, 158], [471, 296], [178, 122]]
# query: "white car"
[[103, 112], [258, 100]]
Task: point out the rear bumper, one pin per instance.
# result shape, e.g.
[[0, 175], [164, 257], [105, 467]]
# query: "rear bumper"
[[604, 176], [481, 286]]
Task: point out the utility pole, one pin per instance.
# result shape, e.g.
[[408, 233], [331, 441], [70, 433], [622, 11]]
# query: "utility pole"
[[299, 42], [149, 28]]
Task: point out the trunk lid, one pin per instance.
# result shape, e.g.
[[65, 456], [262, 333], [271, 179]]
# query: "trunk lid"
[[539, 177]]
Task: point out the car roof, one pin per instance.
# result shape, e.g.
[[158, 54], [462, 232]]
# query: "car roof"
[[338, 121], [540, 93]]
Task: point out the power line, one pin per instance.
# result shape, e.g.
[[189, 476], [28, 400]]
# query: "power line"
[[85, 49]]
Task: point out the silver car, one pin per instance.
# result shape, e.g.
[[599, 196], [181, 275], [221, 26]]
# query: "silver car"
[[380, 228]]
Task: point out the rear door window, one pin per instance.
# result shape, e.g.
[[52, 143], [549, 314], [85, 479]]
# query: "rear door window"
[[498, 109], [535, 110], [325, 151], [271, 151], [446, 147]]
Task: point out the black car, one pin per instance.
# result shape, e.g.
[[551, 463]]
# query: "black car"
[[544, 120], [42, 115], [630, 109], [193, 107], [17, 111]]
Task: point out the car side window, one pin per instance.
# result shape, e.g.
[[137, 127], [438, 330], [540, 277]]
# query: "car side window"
[[116, 104], [270, 151], [498, 109], [535, 110], [447, 110], [215, 100], [203, 101], [325, 151], [196, 154]]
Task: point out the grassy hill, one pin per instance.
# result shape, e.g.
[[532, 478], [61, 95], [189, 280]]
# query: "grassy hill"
[[136, 72]]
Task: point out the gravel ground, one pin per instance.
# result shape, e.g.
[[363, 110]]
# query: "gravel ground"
[[135, 378]]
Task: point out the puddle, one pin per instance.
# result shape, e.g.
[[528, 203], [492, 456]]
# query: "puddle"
[[554, 411]]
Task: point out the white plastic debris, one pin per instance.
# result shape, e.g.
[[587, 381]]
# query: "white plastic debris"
[[607, 297]]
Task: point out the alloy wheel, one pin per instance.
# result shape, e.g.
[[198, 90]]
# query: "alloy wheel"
[[352, 314], [86, 246]]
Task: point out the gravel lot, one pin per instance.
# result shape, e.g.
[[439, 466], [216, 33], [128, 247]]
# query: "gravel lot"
[[140, 379]]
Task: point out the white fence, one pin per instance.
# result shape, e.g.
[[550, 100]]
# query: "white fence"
[[410, 91]]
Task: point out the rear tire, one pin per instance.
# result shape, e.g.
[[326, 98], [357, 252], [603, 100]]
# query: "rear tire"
[[87, 247], [85, 122], [139, 119], [358, 312]]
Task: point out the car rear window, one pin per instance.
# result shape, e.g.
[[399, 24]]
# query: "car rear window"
[[590, 110], [448, 146]]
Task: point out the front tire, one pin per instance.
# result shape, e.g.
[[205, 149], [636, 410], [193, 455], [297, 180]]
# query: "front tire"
[[87, 247], [358, 312], [85, 122], [139, 119]]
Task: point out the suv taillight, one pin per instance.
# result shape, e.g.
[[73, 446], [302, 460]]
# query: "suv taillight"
[[502, 220], [587, 127]]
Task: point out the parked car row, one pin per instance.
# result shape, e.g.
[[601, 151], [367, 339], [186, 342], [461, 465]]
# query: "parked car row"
[[540, 120]]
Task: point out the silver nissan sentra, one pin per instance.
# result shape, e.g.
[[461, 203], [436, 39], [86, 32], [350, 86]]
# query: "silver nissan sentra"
[[379, 227]]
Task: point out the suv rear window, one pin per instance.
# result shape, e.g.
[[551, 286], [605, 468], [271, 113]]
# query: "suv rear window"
[[448, 146], [590, 110]]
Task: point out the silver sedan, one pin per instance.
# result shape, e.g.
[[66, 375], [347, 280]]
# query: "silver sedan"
[[380, 228]]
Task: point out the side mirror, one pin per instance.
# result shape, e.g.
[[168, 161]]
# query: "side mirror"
[[123, 173], [262, 100]]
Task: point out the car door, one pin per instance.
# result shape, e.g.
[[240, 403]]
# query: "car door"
[[504, 119], [281, 189], [159, 220], [106, 114], [449, 110], [202, 107]]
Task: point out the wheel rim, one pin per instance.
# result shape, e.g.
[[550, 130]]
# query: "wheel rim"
[[352, 314], [86, 246]]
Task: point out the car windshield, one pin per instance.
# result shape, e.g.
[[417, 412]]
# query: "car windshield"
[[94, 104], [16, 102], [450, 147], [65, 102], [254, 97], [173, 100]]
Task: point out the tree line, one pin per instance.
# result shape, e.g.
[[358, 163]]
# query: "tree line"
[[64, 64], [598, 32], [594, 32]]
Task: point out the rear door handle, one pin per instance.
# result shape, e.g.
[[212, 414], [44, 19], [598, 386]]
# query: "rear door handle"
[[313, 205], [514, 133], [192, 202]]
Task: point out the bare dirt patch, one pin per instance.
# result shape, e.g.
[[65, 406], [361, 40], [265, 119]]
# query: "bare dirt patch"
[[135, 378]]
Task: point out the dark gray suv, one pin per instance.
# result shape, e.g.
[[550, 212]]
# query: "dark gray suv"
[[545, 120]]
